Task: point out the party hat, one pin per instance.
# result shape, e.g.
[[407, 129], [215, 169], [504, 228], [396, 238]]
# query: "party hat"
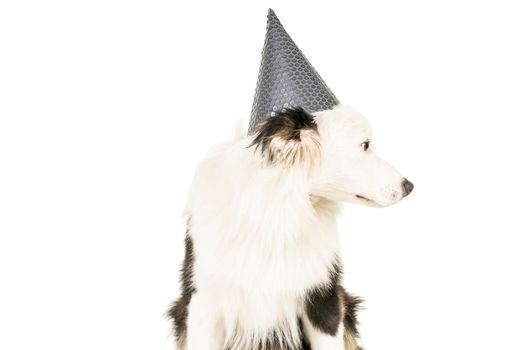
[[286, 78]]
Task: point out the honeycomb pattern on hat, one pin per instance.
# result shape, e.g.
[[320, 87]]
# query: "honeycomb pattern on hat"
[[286, 78]]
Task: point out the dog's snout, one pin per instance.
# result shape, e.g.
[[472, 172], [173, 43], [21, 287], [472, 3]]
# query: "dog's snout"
[[407, 187]]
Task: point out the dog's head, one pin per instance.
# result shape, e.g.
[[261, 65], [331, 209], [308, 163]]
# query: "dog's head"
[[336, 150]]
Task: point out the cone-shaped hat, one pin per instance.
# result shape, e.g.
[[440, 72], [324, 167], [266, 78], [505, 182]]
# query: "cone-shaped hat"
[[286, 78]]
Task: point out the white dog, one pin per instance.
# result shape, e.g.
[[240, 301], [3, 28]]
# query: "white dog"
[[262, 268]]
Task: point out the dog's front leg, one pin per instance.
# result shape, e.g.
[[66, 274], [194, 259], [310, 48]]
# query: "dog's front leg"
[[205, 332]]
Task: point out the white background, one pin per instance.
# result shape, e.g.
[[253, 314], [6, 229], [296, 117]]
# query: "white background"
[[106, 107]]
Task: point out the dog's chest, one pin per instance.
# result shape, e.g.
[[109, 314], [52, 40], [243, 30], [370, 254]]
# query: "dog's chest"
[[289, 267], [259, 283]]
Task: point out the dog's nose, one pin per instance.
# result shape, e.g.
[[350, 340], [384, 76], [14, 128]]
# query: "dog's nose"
[[407, 187]]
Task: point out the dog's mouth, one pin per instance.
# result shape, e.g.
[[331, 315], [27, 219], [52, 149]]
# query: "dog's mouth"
[[368, 201], [363, 198]]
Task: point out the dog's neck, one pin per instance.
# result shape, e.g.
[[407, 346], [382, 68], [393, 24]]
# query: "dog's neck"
[[322, 205]]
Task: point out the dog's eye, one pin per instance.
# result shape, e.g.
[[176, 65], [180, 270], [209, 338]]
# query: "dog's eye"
[[365, 145]]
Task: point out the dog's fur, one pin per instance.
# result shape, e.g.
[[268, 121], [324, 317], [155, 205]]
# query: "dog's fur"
[[262, 267]]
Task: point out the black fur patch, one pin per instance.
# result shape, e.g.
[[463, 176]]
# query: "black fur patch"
[[286, 124], [187, 267], [179, 315], [323, 306], [179, 309], [352, 305]]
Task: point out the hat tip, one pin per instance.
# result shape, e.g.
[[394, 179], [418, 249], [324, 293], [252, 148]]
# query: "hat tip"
[[272, 18]]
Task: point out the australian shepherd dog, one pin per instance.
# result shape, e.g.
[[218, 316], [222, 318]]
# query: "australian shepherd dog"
[[262, 268]]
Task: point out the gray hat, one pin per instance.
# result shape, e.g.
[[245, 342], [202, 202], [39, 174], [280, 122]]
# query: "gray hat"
[[286, 78]]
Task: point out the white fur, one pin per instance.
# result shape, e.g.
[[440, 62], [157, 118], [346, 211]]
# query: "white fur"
[[263, 235]]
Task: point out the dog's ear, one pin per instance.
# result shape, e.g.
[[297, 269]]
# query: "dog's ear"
[[289, 139]]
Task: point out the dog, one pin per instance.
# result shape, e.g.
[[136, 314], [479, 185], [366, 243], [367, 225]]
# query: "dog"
[[262, 267]]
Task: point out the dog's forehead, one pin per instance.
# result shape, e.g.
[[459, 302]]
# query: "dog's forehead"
[[345, 119]]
